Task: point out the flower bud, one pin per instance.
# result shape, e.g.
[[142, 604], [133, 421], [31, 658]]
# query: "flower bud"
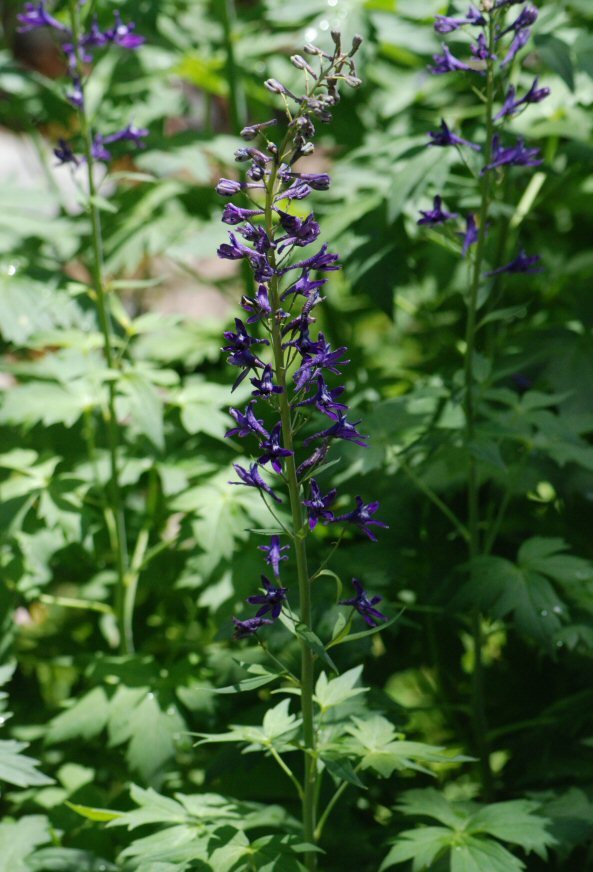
[[353, 81], [337, 39], [311, 49], [356, 43], [275, 86], [301, 64]]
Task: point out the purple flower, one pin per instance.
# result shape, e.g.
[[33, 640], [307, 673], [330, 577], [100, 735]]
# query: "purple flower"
[[258, 307], [247, 423], [36, 15], [447, 63], [271, 600], [470, 237], [365, 606], [443, 137], [304, 285], [313, 460], [229, 187], [299, 232], [274, 554], [76, 95], [264, 386], [234, 215], [122, 34], [362, 517], [318, 505], [436, 215], [515, 155], [324, 399], [511, 105], [481, 51], [523, 263], [321, 261], [64, 153], [521, 39], [131, 133], [98, 150], [233, 250], [243, 629], [526, 18], [239, 346], [252, 478], [321, 358], [342, 429], [273, 452], [445, 24]]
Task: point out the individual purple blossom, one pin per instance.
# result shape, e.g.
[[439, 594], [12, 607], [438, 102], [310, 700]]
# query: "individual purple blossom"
[[274, 554], [448, 63], [444, 136], [122, 34], [299, 232], [244, 629], [318, 505], [342, 429], [324, 399], [481, 51], [526, 18], [521, 39], [446, 24], [252, 478], [436, 215], [273, 452], [314, 459], [515, 155], [131, 133], [247, 423], [264, 386], [235, 215], [316, 181], [322, 357], [230, 187], [361, 516], [511, 105], [470, 236], [271, 600], [323, 261], [259, 306], [304, 285], [36, 15], [523, 263], [365, 606], [64, 153], [76, 95]]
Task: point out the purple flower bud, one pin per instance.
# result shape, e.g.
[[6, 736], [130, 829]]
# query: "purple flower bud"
[[252, 478], [247, 423], [299, 232], [64, 153], [235, 215], [363, 605], [313, 460], [128, 134], [526, 18], [342, 429], [447, 63], [301, 64], [36, 15], [444, 137], [481, 51], [511, 105], [273, 452], [264, 386], [444, 24], [275, 86], [244, 629], [98, 149], [523, 263], [521, 39], [470, 237], [253, 130], [436, 215], [516, 155], [228, 187]]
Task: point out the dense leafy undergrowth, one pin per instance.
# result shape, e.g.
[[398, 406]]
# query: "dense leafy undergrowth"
[[142, 757]]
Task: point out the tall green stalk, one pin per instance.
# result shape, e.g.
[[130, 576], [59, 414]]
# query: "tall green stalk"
[[298, 527], [106, 327], [479, 720]]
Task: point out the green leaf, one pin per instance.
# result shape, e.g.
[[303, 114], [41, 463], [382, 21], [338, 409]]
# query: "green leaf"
[[18, 769], [332, 692], [341, 769], [431, 803], [479, 855], [145, 406], [18, 840], [515, 821], [423, 846], [362, 634], [86, 718], [557, 55], [101, 815], [315, 644]]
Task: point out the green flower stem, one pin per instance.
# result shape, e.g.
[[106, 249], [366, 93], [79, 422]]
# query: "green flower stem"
[[299, 533], [480, 726], [331, 805], [70, 602], [138, 563], [288, 771], [100, 299]]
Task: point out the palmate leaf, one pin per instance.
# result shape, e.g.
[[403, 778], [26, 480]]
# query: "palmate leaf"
[[332, 692], [18, 769], [478, 855], [278, 728], [68, 860], [19, 839], [422, 846], [515, 822]]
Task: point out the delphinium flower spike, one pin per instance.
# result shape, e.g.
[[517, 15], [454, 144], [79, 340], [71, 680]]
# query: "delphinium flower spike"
[[296, 411]]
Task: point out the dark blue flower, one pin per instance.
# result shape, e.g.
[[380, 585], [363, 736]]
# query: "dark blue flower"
[[273, 452], [76, 95], [470, 237], [436, 215], [342, 429], [247, 423], [274, 553], [252, 478], [448, 63], [512, 105], [318, 505], [361, 516], [243, 629], [234, 215], [123, 34], [523, 263], [443, 137], [264, 386], [258, 307], [445, 24], [526, 18], [64, 153], [521, 39], [36, 15], [324, 399], [322, 357], [365, 606], [481, 51], [271, 600], [514, 155], [299, 232], [323, 261], [317, 457]]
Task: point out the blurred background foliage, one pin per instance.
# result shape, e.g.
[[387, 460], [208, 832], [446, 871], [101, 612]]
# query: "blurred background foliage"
[[97, 720]]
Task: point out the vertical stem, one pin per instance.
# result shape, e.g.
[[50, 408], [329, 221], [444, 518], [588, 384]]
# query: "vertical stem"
[[473, 507], [121, 555], [238, 105], [307, 668]]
